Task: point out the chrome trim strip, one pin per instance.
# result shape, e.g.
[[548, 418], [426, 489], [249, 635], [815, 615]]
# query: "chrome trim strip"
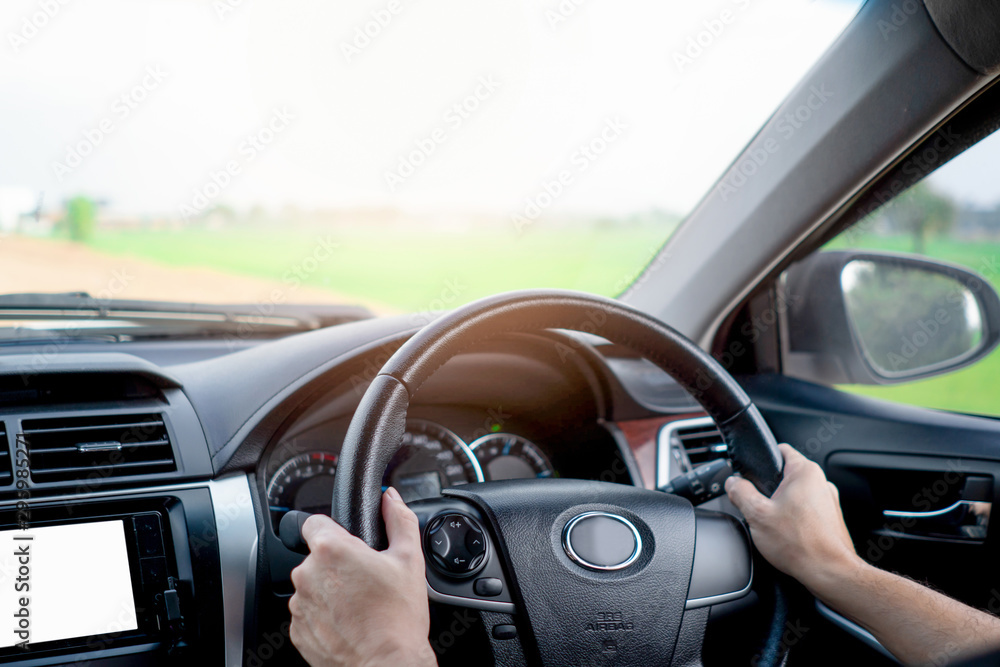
[[472, 457], [472, 603], [236, 528], [698, 603], [664, 471], [855, 630], [927, 515], [105, 446], [567, 545], [97, 495], [461, 445], [478, 442]]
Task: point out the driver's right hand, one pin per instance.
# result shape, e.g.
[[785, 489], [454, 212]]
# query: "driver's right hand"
[[357, 606], [800, 529]]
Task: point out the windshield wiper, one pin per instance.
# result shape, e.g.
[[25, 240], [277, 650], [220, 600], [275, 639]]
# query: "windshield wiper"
[[80, 314]]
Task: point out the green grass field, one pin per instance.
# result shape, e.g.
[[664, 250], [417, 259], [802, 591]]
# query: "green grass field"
[[414, 271], [410, 270]]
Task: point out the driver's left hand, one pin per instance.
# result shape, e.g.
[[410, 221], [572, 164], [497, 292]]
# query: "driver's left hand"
[[357, 606]]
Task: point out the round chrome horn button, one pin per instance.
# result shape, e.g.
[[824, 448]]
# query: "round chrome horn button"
[[601, 541]]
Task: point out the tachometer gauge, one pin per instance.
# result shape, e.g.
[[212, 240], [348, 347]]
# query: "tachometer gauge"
[[303, 482], [507, 456], [431, 458]]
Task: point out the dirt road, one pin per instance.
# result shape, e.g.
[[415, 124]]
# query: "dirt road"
[[43, 265]]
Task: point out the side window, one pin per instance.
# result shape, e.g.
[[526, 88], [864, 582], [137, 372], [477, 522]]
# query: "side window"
[[951, 215]]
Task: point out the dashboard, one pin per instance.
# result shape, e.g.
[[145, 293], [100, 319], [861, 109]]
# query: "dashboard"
[[185, 455]]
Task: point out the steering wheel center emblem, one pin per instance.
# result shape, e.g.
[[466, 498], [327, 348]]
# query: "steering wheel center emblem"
[[601, 541]]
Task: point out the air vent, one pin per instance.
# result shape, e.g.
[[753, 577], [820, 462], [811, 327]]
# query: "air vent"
[[97, 447], [6, 469], [686, 444]]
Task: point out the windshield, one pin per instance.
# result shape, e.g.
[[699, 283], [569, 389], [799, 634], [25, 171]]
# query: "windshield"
[[402, 156]]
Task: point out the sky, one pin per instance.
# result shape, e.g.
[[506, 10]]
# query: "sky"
[[179, 103]]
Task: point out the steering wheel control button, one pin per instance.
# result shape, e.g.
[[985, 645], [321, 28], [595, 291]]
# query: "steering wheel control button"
[[475, 541], [456, 544], [601, 541], [488, 587], [439, 543], [504, 631]]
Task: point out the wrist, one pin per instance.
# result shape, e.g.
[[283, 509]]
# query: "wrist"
[[830, 579], [416, 654]]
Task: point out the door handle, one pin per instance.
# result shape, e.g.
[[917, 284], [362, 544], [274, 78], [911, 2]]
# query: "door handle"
[[962, 520]]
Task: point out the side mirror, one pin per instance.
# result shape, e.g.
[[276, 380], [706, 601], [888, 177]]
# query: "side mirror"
[[855, 317]]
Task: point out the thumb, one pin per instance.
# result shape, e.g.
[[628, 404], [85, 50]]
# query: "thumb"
[[748, 500], [401, 525]]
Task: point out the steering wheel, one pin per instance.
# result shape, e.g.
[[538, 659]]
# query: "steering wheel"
[[593, 572]]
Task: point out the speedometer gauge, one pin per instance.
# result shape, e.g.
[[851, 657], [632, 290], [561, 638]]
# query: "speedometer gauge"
[[507, 456], [431, 458], [303, 482]]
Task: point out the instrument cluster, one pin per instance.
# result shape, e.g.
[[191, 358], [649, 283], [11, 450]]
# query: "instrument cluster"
[[431, 458]]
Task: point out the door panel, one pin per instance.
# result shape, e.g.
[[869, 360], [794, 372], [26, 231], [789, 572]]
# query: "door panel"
[[916, 485]]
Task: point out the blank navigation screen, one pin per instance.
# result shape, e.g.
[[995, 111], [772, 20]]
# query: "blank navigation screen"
[[63, 582]]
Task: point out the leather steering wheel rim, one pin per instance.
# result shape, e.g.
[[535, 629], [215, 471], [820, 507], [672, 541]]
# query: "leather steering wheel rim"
[[376, 431]]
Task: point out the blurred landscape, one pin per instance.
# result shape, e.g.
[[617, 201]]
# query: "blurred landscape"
[[384, 258], [441, 261]]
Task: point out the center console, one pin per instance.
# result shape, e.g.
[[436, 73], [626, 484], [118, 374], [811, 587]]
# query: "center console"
[[112, 580]]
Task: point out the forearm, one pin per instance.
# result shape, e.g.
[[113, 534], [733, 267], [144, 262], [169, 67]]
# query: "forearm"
[[916, 624]]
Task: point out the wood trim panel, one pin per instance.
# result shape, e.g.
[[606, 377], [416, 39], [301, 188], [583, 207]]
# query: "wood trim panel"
[[641, 437]]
